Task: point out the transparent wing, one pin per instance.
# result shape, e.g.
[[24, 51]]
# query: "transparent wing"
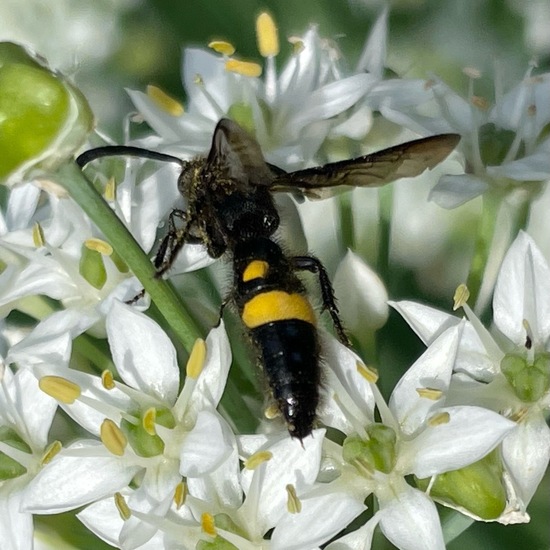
[[401, 161]]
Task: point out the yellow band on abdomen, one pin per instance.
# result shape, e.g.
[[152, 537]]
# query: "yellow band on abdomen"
[[277, 305], [256, 269]]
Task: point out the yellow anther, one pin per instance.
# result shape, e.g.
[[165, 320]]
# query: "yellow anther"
[[293, 503], [196, 361], [180, 494], [370, 374], [272, 411], [297, 44], [246, 68], [60, 388], [266, 35], [112, 437], [208, 525], [461, 296], [148, 421], [198, 80], [480, 102], [110, 190], [223, 47], [256, 459], [429, 393], [122, 507], [38, 235], [439, 419], [99, 245], [50, 452], [107, 380], [164, 101]]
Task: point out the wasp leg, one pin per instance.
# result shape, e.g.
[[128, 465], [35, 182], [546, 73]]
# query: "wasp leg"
[[169, 247], [313, 265], [172, 242]]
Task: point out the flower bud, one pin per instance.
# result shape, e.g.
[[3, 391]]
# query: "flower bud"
[[477, 488], [362, 296], [43, 118], [530, 382]]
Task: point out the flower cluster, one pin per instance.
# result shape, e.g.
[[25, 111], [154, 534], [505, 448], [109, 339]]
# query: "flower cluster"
[[156, 456]]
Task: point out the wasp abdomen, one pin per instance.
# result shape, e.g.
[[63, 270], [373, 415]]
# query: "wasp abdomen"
[[276, 312], [289, 353]]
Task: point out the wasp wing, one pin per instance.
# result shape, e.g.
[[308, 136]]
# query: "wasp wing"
[[237, 155], [401, 161]]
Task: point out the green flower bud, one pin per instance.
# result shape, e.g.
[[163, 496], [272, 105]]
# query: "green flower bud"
[[219, 543], [477, 487], [530, 382], [143, 443], [10, 468], [43, 118], [376, 453], [92, 267]]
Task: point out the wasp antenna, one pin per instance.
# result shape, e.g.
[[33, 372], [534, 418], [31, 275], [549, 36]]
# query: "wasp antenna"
[[125, 150]]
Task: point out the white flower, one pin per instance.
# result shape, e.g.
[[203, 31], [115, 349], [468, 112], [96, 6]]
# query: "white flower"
[[504, 145], [279, 483], [419, 435], [310, 99], [508, 372], [26, 414], [64, 32], [144, 426], [65, 257]]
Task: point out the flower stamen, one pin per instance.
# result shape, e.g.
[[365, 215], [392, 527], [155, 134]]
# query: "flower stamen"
[[257, 459], [245, 68], [112, 437], [293, 503], [122, 507], [167, 103], [59, 388]]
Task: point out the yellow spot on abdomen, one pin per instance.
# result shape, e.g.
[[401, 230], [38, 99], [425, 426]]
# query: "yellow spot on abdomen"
[[256, 269], [277, 305]]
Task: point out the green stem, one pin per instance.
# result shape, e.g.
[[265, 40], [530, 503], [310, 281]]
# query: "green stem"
[[161, 292], [482, 246], [347, 225], [500, 223], [453, 524], [384, 234], [93, 352]]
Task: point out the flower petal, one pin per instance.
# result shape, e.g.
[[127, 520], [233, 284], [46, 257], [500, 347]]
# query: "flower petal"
[[319, 519], [522, 292], [411, 521], [69, 481], [469, 434], [453, 190], [205, 446], [142, 352], [526, 452], [432, 370], [211, 382], [16, 527]]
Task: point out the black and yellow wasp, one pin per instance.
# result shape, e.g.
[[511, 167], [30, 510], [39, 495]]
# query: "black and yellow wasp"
[[231, 210]]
